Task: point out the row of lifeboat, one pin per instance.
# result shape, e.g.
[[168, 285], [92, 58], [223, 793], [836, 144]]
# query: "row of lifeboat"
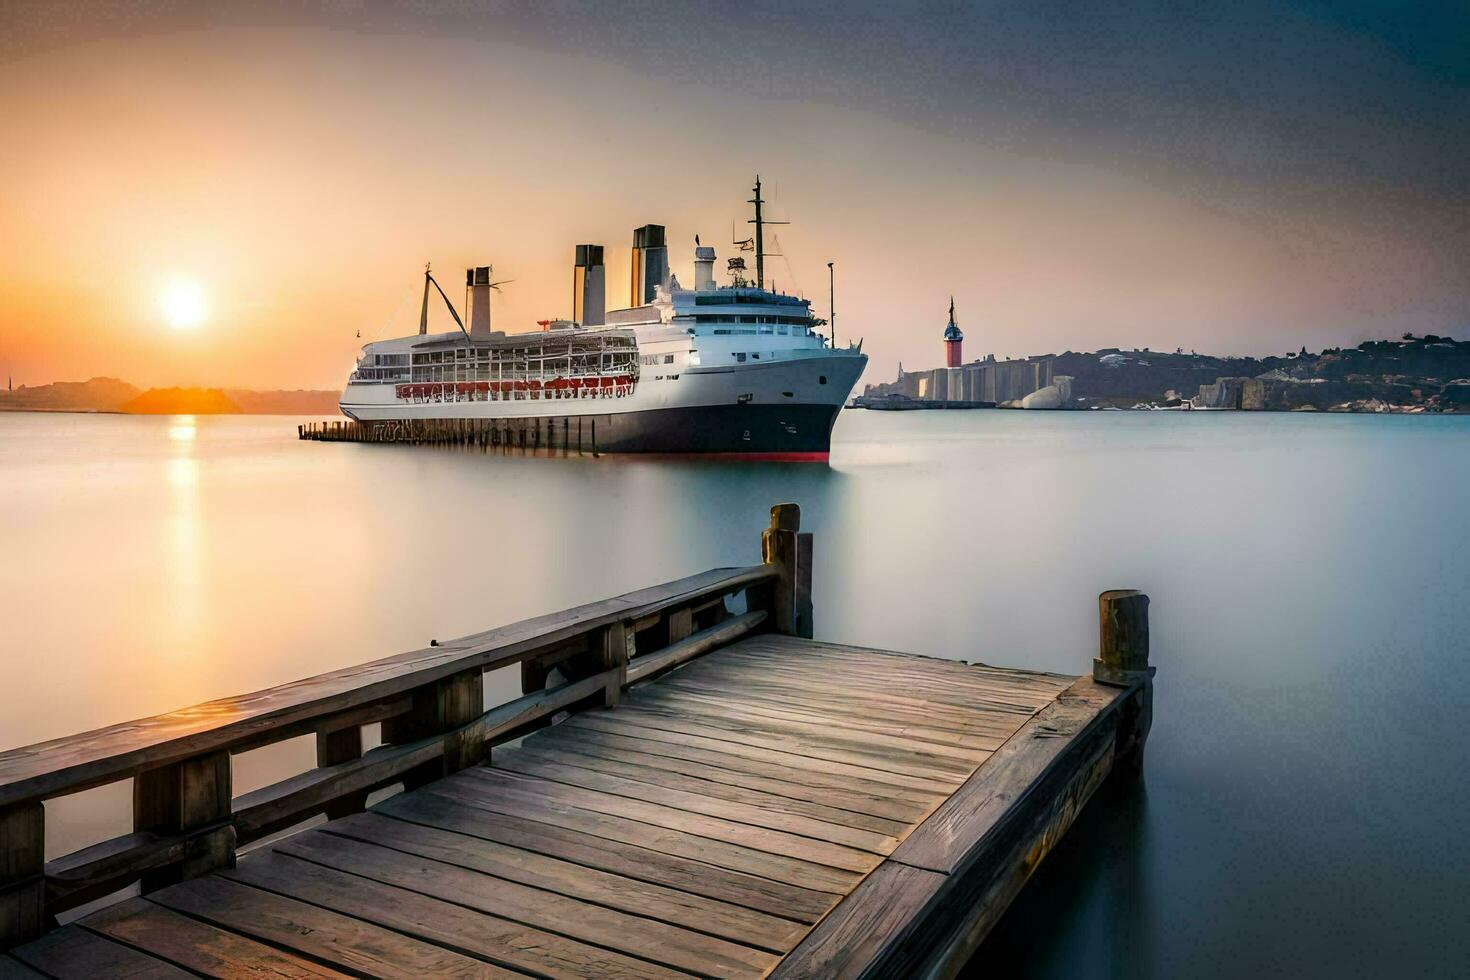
[[602, 386]]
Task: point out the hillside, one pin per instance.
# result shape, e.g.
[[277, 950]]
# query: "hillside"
[[96, 395], [181, 401], [112, 395], [1428, 371]]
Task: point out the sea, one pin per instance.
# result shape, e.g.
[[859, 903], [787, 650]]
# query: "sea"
[[1304, 802]]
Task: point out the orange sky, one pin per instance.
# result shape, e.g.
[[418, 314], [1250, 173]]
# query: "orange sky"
[[303, 175]]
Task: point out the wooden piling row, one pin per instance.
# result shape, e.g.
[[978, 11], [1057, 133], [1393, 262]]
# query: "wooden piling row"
[[551, 434]]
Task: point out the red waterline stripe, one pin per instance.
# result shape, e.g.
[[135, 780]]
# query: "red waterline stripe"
[[732, 457]]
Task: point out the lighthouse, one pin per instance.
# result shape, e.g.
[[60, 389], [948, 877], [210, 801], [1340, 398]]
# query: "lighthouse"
[[953, 340]]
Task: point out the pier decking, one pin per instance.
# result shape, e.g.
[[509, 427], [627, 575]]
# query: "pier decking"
[[720, 795]]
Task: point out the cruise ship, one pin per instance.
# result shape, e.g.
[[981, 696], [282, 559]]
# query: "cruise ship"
[[729, 369]]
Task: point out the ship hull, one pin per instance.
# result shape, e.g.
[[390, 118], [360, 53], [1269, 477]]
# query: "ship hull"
[[781, 410], [772, 431]]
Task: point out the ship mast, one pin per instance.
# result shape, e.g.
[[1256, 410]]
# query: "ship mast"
[[760, 242], [760, 223]]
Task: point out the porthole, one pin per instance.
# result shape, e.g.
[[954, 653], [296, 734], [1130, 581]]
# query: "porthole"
[[821, 379]]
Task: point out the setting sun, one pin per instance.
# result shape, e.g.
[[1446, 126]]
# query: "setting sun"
[[183, 304]]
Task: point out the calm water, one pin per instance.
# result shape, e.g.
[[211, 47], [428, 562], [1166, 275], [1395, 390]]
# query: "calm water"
[[1304, 805]]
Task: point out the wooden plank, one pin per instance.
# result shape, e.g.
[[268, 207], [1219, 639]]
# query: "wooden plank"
[[689, 647], [290, 801], [280, 805], [668, 945], [732, 676], [77, 762], [969, 750], [349, 718], [71, 952], [720, 743], [931, 722], [506, 798], [942, 842], [929, 906], [797, 651], [496, 940], [952, 690], [808, 849], [328, 936], [907, 804], [196, 945], [770, 650], [588, 774], [589, 884], [907, 767], [14, 969], [957, 691], [857, 932], [774, 898], [507, 720], [974, 899], [96, 871], [570, 752]]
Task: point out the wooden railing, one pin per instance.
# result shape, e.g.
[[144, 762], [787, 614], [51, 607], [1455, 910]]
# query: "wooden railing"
[[186, 821]]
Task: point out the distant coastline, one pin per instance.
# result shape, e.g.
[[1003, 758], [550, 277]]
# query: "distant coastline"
[[1415, 375], [115, 397]]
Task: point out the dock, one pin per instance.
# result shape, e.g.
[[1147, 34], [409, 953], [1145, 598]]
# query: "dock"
[[566, 435], [690, 784]]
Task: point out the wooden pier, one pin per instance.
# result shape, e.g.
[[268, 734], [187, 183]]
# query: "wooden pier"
[[570, 435], [695, 787]]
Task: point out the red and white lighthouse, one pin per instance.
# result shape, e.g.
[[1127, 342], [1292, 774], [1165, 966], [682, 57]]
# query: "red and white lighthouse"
[[953, 340]]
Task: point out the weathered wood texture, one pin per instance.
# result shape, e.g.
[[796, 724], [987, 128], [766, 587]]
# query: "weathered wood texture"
[[776, 805], [927, 908], [431, 707], [67, 765]]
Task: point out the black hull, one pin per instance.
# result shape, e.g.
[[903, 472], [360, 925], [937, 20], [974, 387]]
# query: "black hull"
[[772, 431]]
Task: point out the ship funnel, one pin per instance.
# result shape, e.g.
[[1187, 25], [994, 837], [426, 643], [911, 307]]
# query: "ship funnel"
[[704, 268], [650, 264], [589, 287], [478, 281]]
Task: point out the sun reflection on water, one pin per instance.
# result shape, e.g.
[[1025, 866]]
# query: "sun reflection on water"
[[186, 532]]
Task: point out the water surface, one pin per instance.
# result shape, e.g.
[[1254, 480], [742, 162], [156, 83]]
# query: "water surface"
[[1304, 803]]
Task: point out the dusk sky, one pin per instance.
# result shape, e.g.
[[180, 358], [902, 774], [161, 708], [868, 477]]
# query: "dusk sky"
[[1232, 178]]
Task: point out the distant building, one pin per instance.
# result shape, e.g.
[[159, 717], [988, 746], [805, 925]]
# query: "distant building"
[[953, 340]]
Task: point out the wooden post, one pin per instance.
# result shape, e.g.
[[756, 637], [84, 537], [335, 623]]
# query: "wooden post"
[[341, 745], [439, 709], [802, 605], [191, 799], [680, 624], [22, 863], [1122, 661], [1122, 658], [779, 548], [614, 647]]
